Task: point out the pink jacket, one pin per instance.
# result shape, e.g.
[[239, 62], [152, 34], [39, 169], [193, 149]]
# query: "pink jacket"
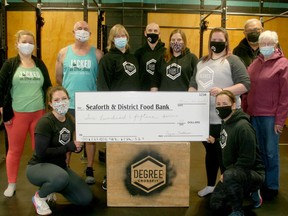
[[268, 95]]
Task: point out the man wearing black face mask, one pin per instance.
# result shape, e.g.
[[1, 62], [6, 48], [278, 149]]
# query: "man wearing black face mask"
[[149, 55], [248, 48]]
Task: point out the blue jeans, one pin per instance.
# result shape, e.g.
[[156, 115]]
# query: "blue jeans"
[[268, 142]]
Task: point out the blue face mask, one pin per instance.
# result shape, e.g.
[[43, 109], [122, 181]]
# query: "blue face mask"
[[120, 42], [267, 50]]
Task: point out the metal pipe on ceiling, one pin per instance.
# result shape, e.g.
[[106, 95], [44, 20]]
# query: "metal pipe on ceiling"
[[275, 17], [172, 10]]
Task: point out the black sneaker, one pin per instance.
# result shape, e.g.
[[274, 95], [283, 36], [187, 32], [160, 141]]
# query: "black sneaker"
[[89, 176], [257, 199], [104, 183]]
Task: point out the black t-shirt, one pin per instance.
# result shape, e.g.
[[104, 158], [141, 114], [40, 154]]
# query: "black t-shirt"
[[55, 136]]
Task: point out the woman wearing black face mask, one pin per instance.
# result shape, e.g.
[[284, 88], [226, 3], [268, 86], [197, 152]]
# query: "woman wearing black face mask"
[[216, 71], [244, 171]]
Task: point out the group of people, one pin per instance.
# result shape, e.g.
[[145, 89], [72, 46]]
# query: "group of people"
[[238, 144], [245, 149]]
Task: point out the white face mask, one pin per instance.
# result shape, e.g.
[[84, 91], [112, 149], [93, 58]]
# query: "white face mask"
[[82, 35], [61, 107], [25, 48]]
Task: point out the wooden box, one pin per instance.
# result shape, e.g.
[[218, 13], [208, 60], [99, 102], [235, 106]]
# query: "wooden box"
[[148, 174]]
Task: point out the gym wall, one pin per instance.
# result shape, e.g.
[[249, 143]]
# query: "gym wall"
[[57, 30]]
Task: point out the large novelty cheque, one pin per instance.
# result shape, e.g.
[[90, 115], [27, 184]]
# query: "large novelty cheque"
[[142, 116]]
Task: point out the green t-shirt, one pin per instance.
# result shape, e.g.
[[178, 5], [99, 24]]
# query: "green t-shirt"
[[27, 94]]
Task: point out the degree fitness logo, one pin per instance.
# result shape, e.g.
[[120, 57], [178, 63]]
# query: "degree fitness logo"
[[149, 173]]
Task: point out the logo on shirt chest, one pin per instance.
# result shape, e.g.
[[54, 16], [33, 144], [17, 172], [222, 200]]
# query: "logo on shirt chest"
[[80, 65], [223, 138], [173, 71], [64, 136], [205, 77], [129, 68], [150, 66], [29, 76]]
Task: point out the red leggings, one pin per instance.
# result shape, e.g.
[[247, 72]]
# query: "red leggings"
[[22, 123]]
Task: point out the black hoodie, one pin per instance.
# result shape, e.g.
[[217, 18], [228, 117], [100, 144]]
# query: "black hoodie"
[[118, 72], [239, 145], [148, 60], [245, 52], [175, 75]]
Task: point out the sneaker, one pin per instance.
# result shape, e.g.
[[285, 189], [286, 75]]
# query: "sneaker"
[[205, 191], [89, 176], [236, 213], [9, 192], [42, 208], [257, 199], [51, 197], [104, 183]]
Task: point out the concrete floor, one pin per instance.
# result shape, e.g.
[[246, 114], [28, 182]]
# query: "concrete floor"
[[20, 203]]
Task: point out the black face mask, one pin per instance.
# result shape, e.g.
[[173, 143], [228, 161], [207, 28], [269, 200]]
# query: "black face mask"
[[152, 38], [224, 112], [217, 47], [253, 36]]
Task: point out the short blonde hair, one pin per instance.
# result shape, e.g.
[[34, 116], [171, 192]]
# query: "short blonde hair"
[[268, 35], [20, 33], [113, 32]]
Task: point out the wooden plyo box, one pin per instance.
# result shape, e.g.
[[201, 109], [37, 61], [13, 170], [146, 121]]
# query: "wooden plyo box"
[[148, 174]]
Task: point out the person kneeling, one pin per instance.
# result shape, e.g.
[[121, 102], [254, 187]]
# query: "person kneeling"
[[244, 170], [47, 168]]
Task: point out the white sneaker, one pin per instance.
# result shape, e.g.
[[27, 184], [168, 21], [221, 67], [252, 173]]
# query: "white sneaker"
[[51, 197], [205, 191], [9, 192], [90, 180], [42, 208]]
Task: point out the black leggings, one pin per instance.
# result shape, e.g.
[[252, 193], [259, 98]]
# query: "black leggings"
[[213, 156], [236, 183]]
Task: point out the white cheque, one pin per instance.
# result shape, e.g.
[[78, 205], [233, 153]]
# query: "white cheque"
[[142, 116]]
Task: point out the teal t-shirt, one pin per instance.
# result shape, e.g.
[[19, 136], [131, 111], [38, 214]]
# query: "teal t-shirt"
[[27, 94], [79, 73]]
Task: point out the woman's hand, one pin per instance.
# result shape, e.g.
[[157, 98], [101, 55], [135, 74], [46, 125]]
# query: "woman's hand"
[[278, 129], [211, 139], [215, 90], [1, 114], [79, 146]]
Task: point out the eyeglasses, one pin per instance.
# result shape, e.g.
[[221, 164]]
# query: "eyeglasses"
[[253, 30]]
